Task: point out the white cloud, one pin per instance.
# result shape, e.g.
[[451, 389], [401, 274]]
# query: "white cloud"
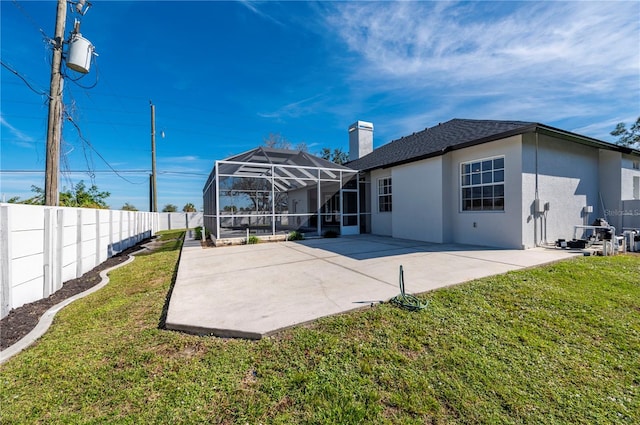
[[252, 6], [297, 108], [21, 139], [185, 158], [590, 41], [542, 61]]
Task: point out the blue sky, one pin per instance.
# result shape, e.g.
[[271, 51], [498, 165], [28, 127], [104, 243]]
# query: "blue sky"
[[224, 75]]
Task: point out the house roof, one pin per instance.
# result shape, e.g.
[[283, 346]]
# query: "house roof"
[[273, 156], [457, 134], [288, 169]]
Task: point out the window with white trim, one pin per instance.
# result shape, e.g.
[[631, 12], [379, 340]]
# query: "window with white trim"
[[636, 187], [384, 194], [636, 165], [482, 185]]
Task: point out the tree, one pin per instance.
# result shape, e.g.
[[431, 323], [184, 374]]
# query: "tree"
[[189, 207], [628, 137], [37, 199], [77, 196], [170, 208], [128, 207], [278, 141], [337, 156]]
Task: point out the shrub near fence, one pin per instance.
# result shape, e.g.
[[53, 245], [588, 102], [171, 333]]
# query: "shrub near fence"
[[42, 247]]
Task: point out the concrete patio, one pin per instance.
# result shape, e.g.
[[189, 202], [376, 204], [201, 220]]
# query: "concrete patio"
[[250, 291]]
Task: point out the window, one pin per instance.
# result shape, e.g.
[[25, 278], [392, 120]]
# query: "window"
[[384, 194], [482, 185], [636, 165], [636, 187]]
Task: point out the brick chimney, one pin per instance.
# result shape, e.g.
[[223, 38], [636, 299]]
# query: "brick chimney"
[[360, 139]]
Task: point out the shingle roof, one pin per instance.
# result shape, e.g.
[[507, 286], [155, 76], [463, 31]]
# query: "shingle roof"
[[437, 140]]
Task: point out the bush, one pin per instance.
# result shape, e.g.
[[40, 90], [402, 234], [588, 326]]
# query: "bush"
[[330, 234], [253, 239], [198, 233], [295, 236]]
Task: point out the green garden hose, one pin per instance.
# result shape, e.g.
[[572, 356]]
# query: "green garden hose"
[[407, 301]]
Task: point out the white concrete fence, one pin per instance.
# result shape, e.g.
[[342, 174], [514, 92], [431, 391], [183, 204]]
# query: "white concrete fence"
[[43, 247], [179, 220]]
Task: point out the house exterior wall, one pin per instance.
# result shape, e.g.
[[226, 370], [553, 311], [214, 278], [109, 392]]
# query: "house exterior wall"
[[450, 201], [610, 172], [417, 201], [567, 178], [628, 174], [381, 222], [630, 215], [487, 228]]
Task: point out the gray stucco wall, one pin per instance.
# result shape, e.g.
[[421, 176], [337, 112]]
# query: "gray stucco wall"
[[569, 177], [628, 173], [610, 172], [489, 228], [417, 201], [567, 181], [380, 221]]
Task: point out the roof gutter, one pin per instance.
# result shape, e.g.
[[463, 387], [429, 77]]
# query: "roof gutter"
[[584, 140]]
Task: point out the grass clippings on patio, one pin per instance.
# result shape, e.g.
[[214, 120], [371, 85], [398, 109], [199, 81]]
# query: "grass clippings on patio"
[[554, 344]]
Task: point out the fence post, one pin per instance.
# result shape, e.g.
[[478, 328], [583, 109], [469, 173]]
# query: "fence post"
[[120, 231], [132, 223], [79, 243], [48, 246], [98, 239], [58, 257], [110, 251], [6, 300]]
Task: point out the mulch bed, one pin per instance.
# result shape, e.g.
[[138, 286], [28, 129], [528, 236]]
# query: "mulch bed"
[[20, 321]]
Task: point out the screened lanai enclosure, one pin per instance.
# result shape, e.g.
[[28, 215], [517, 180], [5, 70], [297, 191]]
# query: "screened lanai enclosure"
[[272, 192]]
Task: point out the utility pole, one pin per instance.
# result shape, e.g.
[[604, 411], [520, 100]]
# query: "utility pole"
[[54, 126], [154, 191]]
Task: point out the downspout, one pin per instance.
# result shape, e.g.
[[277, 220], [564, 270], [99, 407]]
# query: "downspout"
[[536, 200]]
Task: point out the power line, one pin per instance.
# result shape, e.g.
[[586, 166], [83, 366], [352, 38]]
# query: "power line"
[[142, 171], [87, 155], [70, 119], [183, 173], [36, 91], [30, 19], [75, 80]]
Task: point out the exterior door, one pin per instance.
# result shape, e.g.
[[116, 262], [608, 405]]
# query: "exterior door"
[[350, 218]]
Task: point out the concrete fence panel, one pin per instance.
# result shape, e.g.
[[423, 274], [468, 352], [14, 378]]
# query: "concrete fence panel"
[[42, 247], [26, 244], [179, 220]]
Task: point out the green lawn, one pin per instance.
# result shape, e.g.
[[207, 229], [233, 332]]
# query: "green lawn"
[[555, 344]]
